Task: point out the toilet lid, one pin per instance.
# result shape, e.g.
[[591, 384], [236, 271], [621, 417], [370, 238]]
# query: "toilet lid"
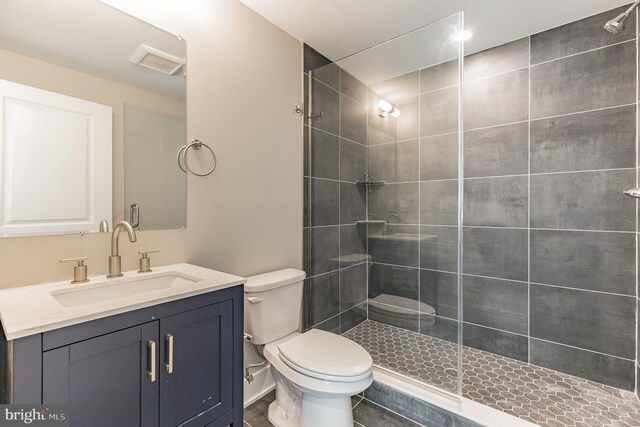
[[323, 354]]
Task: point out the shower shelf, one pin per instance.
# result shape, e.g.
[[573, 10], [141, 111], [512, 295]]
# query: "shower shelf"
[[371, 222], [370, 185]]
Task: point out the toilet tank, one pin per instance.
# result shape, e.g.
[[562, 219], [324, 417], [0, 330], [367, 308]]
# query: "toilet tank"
[[272, 304]]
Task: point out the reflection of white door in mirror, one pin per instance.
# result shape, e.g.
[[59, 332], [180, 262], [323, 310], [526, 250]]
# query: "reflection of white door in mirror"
[[55, 162]]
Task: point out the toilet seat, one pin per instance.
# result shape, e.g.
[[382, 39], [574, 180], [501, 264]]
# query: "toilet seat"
[[326, 356]]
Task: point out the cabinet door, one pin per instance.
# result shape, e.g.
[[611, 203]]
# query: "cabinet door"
[[105, 380], [196, 374]]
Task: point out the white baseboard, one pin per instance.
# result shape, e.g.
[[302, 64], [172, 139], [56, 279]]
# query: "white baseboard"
[[262, 384]]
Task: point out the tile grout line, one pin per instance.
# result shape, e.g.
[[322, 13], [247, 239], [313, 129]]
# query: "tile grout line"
[[529, 210], [584, 51]]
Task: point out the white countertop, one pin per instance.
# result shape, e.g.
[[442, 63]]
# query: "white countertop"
[[29, 310]]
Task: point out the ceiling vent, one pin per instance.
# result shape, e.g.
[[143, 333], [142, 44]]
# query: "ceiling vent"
[[157, 60]]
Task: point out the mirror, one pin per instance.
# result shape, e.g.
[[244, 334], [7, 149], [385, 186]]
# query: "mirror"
[[92, 114]]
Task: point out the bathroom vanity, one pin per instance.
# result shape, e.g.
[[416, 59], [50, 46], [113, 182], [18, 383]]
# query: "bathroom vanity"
[[156, 349]]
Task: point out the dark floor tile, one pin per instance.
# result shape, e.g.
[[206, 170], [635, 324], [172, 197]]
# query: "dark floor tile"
[[496, 202], [506, 57], [579, 36], [395, 199], [589, 320], [439, 248], [399, 246], [439, 112], [352, 87], [395, 162], [394, 281], [497, 100], [501, 150], [440, 76], [353, 161], [609, 370], [324, 297], [439, 202], [324, 206], [603, 139], [352, 203], [372, 415], [397, 88], [257, 413], [597, 79], [439, 157], [323, 160], [494, 341], [440, 291], [583, 201], [500, 304], [323, 249], [496, 252], [353, 120], [353, 317], [325, 108], [353, 286], [586, 260]]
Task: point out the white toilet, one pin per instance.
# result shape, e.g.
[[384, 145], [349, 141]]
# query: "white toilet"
[[316, 372]]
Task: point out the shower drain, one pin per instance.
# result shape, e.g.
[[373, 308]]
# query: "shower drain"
[[451, 372]]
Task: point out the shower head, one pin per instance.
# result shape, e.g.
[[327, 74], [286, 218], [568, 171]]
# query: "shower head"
[[616, 24]]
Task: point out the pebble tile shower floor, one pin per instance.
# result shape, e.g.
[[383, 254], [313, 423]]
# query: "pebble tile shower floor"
[[539, 395]]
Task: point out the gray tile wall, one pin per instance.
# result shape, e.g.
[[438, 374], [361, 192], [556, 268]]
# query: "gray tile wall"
[[335, 291], [549, 240]]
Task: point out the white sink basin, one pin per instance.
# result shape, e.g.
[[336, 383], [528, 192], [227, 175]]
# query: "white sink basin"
[[119, 288]]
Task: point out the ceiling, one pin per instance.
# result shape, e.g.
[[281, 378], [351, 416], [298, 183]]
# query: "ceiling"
[[91, 37], [338, 28]]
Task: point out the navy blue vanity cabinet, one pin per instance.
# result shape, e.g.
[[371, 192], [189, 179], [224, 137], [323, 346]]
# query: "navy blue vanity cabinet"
[[177, 363]]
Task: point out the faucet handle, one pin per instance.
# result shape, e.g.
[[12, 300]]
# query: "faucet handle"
[[79, 270], [145, 261]]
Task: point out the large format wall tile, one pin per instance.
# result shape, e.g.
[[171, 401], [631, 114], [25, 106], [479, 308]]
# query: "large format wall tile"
[[494, 341], [496, 202], [324, 207], [501, 150], [324, 297], [603, 139], [579, 36], [597, 367], [396, 162], [352, 87], [353, 244], [507, 57], [603, 262], [589, 320], [324, 151], [500, 304], [325, 108], [353, 120], [353, 161], [439, 157], [408, 124], [439, 112], [596, 79], [352, 203], [394, 281], [496, 252], [398, 88], [440, 291], [439, 327], [353, 317], [353, 286], [398, 199], [439, 202], [583, 201], [439, 76], [439, 248], [496, 100], [323, 249], [379, 129], [398, 251]]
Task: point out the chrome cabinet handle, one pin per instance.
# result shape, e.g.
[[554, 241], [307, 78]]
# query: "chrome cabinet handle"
[[134, 208], [169, 364], [152, 360]]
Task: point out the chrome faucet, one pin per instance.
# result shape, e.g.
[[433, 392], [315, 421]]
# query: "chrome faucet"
[[115, 269]]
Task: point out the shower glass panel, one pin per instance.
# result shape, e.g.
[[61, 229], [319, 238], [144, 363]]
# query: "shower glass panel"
[[410, 185]]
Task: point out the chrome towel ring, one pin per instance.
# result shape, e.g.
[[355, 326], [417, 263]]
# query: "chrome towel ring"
[[196, 144]]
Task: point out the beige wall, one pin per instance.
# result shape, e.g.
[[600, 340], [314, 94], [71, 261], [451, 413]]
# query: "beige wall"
[[244, 77]]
